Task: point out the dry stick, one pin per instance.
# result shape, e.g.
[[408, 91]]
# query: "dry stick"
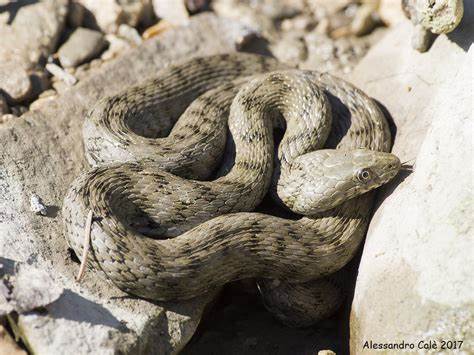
[[87, 241]]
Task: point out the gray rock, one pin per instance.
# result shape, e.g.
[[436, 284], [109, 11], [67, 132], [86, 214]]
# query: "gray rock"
[[290, 49], [6, 118], [82, 45], [415, 277], [24, 288], [42, 153], [29, 32], [14, 82]]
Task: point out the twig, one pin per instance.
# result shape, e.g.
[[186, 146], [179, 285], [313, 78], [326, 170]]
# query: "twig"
[[87, 241]]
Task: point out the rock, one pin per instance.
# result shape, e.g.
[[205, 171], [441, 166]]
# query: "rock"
[[7, 345], [415, 277], [37, 206], [174, 12], [107, 15], [390, 12], [435, 16], [117, 46], [290, 49], [14, 82], [8, 117], [4, 109], [421, 38], [60, 74], [75, 15], [137, 12], [364, 20], [252, 17], [130, 34], [43, 153], [334, 55], [24, 288], [81, 46], [28, 34]]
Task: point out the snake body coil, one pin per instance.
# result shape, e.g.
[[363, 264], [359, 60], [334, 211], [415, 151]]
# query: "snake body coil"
[[160, 235]]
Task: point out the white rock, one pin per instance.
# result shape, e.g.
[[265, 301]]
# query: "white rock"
[[116, 47], [108, 14], [61, 74], [26, 288], [173, 11], [130, 34], [15, 82], [415, 277], [37, 206]]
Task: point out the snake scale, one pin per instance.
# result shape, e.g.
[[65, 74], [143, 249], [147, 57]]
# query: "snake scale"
[[168, 227]]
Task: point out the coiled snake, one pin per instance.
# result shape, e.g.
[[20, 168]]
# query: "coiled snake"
[[161, 235]]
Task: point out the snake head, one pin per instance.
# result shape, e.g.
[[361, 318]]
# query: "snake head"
[[321, 180]]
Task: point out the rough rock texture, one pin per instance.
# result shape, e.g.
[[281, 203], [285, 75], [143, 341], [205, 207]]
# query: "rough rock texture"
[[109, 14], [82, 45], [24, 288], [42, 153], [29, 31], [174, 12], [415, 277]]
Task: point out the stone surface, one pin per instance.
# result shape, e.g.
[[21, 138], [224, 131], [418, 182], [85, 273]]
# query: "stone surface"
[[14, 82], [29, 32], [82, 45], [107, 15], [60, 74], [415, 277], [42, 153], [24, 288], [174, 12]]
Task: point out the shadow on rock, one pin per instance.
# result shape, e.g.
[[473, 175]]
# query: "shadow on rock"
[[73, 306]]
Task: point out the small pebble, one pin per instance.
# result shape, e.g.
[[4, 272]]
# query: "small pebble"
[[83, 45], [37, 206], [15, 82], [7, 117], [59, 73], [130, 34]]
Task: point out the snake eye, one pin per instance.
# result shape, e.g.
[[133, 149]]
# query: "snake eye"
[[363, 175]]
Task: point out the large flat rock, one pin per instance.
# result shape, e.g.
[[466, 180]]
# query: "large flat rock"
[[415, 277], [41, 154]]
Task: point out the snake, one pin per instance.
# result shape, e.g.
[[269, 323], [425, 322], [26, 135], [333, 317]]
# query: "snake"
[[168, 226]]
